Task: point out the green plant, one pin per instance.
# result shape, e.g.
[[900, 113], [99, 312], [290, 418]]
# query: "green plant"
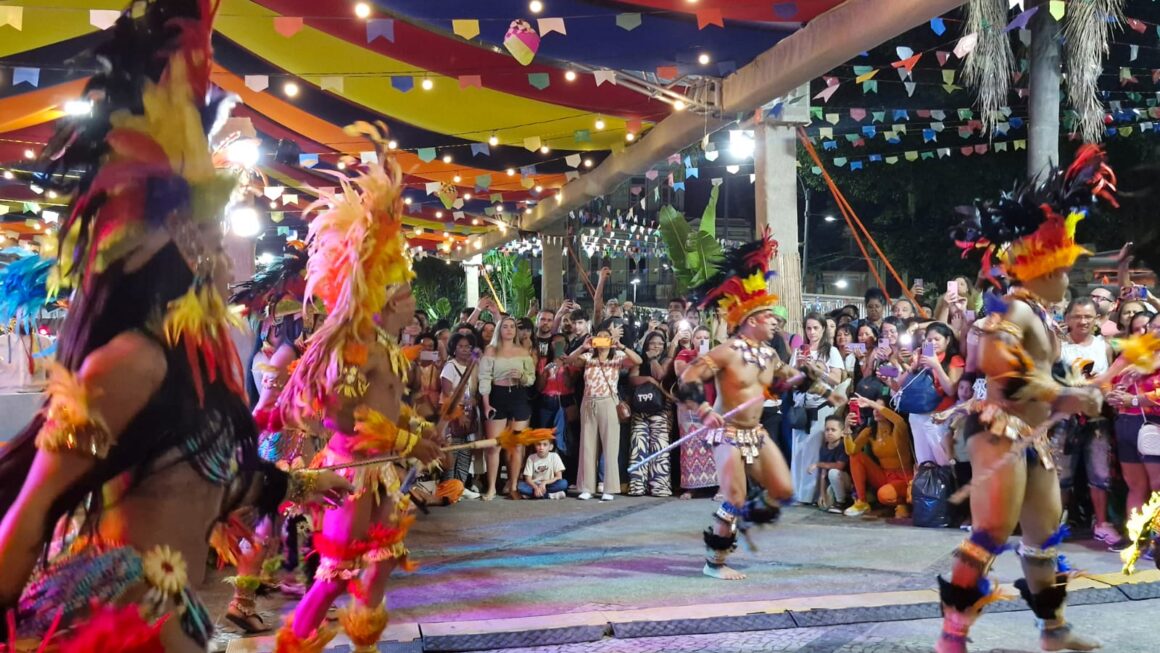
[[695, 255], [440, 291], [513, 281]]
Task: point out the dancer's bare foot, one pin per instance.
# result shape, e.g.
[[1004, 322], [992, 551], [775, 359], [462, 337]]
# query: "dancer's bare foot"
[[1064, 639], [723, 572], [246, 621]]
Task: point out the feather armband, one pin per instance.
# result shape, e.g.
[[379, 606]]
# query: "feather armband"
[[71, 423], [377, 434]]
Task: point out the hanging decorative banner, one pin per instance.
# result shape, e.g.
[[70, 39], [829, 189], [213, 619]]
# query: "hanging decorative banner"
[[864, 73], [257, 83], [287, 26], [547, 25], [381, 28], [707, 17], [13, 17], [532, 143], [825, 94], [432, 187], [870, 87], [480, 148], [966, 45], [402, 83], [943, 56], [1020, 21], [572, 160], [289, 199], [333, 83], [1058, 9], [628, 22], [466, 81], [908, 63], [651, 175], [22, 75], [467, 28], [668, 72], [858, 114], [103, 18], [910, 86], [521, 42], [307, 160], [426, 154], [277, 216], [604, 76], [370, 157], [582, 136], [447, 194], [483, 182], [539, 81], [273, 192], [938, 26]]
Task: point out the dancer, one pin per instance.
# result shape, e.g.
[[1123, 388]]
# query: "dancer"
[[145, 439], [1033, 233], [743, 368], [273, 299], [352, 376]]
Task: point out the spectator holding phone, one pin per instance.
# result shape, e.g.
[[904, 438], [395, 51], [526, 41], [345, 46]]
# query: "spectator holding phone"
[[555, 396], [602, 359], [698, 469], [843, 339], [933, 377], [506, 371], [424, 379], [652, 421], [820, 360], [891, 469]]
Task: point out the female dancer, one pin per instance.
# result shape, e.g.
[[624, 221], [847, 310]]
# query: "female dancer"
[[145, 440], [506, 371]]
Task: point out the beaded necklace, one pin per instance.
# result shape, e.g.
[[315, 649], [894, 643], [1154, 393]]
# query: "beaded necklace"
[[753, 353]]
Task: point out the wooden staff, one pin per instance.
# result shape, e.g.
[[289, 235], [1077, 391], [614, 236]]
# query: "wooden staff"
[[506, 440], [583, 273], [487, 278]]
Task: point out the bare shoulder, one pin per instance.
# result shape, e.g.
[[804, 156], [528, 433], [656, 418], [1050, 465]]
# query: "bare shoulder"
[[129, 357], [491, 351], [723, 353]]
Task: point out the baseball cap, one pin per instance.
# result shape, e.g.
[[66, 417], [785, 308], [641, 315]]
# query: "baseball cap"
[[781, 313]]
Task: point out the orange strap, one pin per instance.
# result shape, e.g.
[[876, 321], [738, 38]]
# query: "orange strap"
[[852, 220]]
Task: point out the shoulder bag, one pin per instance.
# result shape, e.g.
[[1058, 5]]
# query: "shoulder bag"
[[1148, 439]]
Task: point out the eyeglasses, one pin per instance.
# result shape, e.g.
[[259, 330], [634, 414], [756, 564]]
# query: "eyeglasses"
[[1100, 298]]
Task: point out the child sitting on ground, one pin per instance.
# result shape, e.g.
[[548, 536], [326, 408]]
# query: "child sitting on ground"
[[543, 474], [835, 485]]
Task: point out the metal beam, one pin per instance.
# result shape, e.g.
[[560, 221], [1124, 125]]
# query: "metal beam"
[[826, 42]]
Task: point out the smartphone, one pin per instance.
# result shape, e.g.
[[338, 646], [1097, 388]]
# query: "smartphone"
[[857, 348], [928, 349], [856, 413], [918, 284], [970, 316], [558, 349], [704, 347], [429, 356], [953, 288], [1141, 292], [804, 349], [905, 341], [600, 343], [889, 371]]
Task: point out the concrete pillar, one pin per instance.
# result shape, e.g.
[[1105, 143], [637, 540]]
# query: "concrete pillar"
[[552, 271], [775, 185], [471, 270], [1044, 83]]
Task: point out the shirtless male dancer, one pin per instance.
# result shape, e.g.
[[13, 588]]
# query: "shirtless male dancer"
[[743, 367], [1015, 482]]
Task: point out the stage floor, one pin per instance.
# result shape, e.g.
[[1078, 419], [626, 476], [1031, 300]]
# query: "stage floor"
[[507, 566]]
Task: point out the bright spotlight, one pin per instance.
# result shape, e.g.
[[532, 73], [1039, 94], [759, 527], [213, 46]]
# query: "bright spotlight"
[[78, 107], [266, 258], [244, 222], [741, 144], [290, 89], [841, 284], [362, 10], [244, 152]]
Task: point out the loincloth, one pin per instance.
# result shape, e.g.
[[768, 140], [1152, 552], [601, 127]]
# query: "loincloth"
[[976, 417], [747, 440], [96, 574]]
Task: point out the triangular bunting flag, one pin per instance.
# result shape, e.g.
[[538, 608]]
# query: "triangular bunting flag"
[[467, 28], [287, 26], [547, 25], [257, 83]]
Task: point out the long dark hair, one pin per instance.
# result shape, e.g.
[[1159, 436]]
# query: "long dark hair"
[[952, 342], [823, 344]]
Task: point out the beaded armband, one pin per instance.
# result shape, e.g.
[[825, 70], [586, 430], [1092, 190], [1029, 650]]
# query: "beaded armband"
[[709, 363], [1005, 326], [70, 423], [376, 433]]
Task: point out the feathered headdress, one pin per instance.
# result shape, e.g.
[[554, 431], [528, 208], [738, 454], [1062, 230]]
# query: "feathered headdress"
[[358, 257], [24, 287], [741, 285], [1032, 229], [277, 289], [146, 170]]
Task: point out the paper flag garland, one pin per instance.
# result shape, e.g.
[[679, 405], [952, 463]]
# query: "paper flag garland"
[[547, 25], [257, 83], [426, 154], [966, 45], [466, 81], [287, 26], [103, 18], [938, 26], [12, 16], [572, 160], [402, 83], [447, 194], [467, 28], [532, 143], [707, 17], [521, 42], [539, 81], [381, 28], [1020, 21], [332, 83], [23, 74], [604, 76], [628, 22]]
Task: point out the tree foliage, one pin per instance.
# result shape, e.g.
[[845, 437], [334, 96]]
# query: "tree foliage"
[[440, 290]]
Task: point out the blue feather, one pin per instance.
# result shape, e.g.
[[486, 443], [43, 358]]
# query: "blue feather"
[[1057, 537], [994, 304], [983, 539], [24, 287]]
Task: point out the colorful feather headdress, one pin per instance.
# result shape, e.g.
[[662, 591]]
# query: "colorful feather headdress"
[[146, 172], [277, 289], [1031, 231], [358, 258], [24, 287], [741, 285]]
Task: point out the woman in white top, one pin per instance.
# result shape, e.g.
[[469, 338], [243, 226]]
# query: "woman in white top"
[[506, 371], [465, 428], [825, 365], [602, 359]]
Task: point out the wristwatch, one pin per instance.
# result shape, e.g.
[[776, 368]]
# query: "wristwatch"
[[1135, 402]]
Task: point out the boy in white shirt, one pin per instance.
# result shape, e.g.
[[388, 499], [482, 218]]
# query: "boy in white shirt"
[[543, 474]]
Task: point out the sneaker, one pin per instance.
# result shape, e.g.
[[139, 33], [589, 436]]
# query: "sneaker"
[[470, 494], [584, 496], [1105, 533], [857, 510], [837, 510], [606, 497], [600, 487], [556, 496]]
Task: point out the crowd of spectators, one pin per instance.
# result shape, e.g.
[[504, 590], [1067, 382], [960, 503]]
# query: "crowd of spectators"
[[867, 435]]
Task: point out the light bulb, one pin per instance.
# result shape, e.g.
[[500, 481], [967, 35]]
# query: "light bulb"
[[511, 172], [438, 214], [678, 105], [493, 140], [599, 123], [392, 144], [467, 197], [446, 158], [244, 222], [244, 152], [703, 59], [630, 137], [341, 165], [544, 149], [535, 6], [570, 75], [407, 201], [362, 10], [457, 179], [78, 107], [587, 163], [8, 174], [427, 84], [290, 89], [29, 154], [539, 188]]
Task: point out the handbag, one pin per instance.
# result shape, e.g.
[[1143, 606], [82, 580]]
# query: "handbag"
[[1148, 439], [647, 399], [918, 396]]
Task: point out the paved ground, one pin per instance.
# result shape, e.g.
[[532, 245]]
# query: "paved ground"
[[526, 565]]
